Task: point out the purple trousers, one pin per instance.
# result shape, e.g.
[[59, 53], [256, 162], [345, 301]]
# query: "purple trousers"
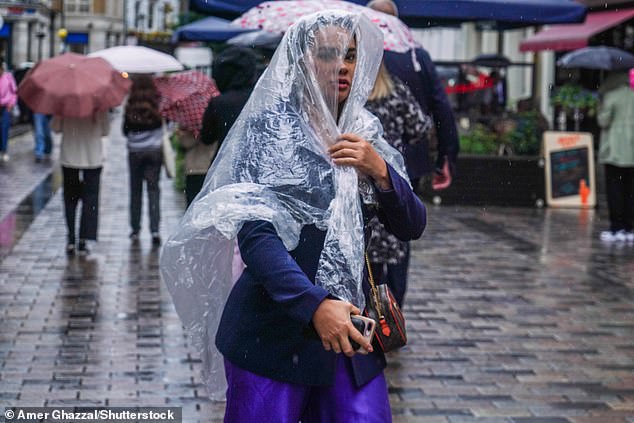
[[253, 398]]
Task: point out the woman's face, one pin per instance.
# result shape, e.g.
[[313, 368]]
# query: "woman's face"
[[333, 75]]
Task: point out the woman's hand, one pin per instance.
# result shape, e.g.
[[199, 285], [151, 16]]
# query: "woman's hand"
[[352, 150], [333, 325]]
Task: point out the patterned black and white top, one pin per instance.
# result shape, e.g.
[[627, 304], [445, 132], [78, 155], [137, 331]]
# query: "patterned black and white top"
[[404, 123]]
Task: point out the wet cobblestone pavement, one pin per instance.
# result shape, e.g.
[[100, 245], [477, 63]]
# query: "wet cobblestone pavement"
[[514, 315]]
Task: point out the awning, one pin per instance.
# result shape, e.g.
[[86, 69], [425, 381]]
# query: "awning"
[[574, 36], [208, 29], [76, 38]]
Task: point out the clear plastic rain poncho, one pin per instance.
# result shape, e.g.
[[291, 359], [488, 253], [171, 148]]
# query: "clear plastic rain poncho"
[[274, 166]]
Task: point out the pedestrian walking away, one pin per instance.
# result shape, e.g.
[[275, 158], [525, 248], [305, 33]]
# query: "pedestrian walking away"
[[404, 124], [143, 127], [81, 158], [616, 153], [296, 180], [421, 78], [8, 98], [43, 137]]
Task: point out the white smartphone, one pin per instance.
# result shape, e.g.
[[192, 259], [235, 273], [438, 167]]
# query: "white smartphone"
[[365, 326]]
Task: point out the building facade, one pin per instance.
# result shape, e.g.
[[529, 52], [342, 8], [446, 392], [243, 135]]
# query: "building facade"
[[146, 17], [91, 25], [25, 35], [29, 31]]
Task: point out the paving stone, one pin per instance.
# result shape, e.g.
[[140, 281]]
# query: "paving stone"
[[514, 315]]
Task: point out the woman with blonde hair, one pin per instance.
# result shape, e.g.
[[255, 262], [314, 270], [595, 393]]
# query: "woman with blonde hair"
[[403, 123]]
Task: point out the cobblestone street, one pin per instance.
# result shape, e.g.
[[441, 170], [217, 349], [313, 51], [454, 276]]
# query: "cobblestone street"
[[514, 315]]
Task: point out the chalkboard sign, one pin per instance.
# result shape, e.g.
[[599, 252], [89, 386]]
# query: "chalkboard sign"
[[569, 169]]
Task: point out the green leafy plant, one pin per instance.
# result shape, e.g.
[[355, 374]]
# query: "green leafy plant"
[[480, 140], [525, 138], [572, 97], [179, 178]]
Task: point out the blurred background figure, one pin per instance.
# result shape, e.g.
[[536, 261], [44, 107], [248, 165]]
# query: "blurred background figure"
[[81, 158], [197, 160], [184, 99], [143, 127], [43, 137], [616, 153], [404, 123], [26, 114], [234, 71], [494, 97], [8, 98], [430, 94]]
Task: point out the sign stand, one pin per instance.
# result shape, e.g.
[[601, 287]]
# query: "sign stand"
[[570, 176]]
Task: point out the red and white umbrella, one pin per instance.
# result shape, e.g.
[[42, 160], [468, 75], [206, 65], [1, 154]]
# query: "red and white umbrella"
[[277, 16], [73, 85], [184, 98]]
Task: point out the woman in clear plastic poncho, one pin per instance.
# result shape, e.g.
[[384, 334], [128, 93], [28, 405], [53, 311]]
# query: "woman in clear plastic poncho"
[[298, 176]]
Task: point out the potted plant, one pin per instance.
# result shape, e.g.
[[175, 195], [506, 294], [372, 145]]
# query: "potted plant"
[[499, 164], [573, 101]]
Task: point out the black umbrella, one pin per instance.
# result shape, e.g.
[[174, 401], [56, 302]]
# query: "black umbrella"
[[601, 57], [491, 60]]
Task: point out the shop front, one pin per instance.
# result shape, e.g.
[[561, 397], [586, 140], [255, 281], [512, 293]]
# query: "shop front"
[[575, 92], [5, 42]]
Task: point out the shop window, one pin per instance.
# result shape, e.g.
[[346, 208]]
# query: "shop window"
[[99, 7], [77, 6], [150, 16], [628, 42], [137, 13]]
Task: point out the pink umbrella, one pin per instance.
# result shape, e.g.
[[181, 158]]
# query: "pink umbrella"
[[73, 85], [277, 16], [184, 98]]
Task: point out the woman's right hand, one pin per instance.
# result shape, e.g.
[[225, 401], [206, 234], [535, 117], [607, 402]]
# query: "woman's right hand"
[[353, 150], [333, 325]]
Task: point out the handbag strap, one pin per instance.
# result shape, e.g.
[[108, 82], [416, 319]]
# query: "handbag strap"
[[373, 289]]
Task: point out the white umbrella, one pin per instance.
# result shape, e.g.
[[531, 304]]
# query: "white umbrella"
[[138, 59]]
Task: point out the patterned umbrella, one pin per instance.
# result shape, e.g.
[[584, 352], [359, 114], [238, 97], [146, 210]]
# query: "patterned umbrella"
[[184, 98], [73, 85], [277, 16]]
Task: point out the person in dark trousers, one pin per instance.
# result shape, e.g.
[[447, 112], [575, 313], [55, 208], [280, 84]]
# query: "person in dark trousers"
[[616, 153], [142, 125], [81, 157], [234, 71], [430, 94]]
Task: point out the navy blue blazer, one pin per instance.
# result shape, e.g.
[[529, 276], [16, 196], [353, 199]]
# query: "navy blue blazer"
[[266, 324], [430, 94]]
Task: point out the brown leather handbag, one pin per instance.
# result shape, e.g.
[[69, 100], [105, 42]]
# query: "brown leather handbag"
[[382, 307]]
